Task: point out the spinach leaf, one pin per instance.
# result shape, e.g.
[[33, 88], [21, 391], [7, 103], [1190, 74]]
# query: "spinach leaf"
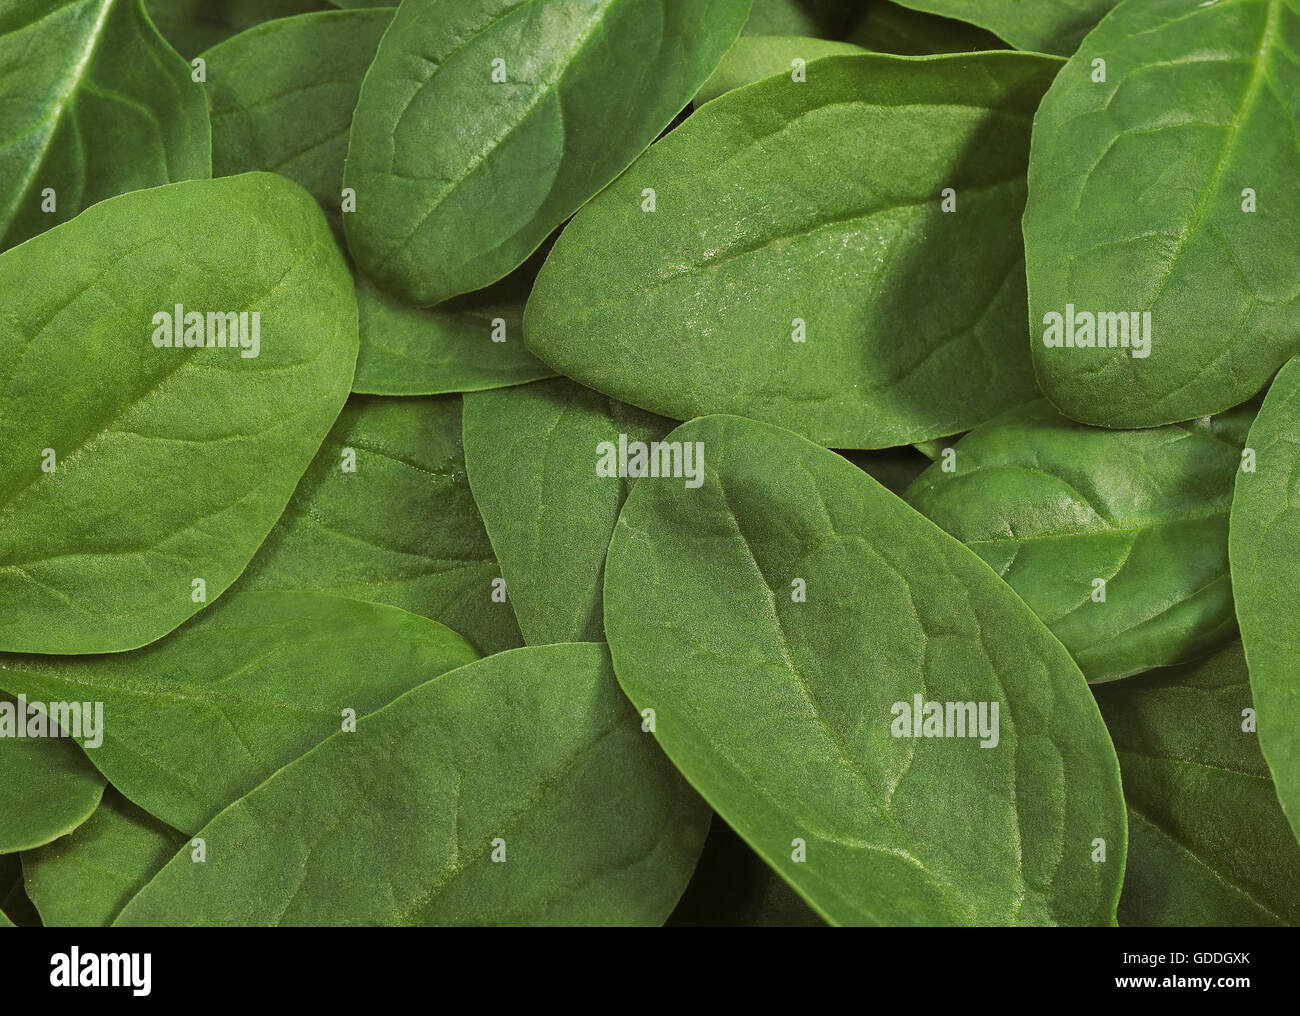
[[823, 19], [784, 256], [530, 756], [755, 57], [895, 469], [890, 28], [1263, 536], [1208, 844], [1046, 26], [199, 718], [193, 26], [468, 344], [783, 619], [533, 458], [93, 103], [282, 94], [519, 114], [83, 879], [385, 513], [1118, 540], [1142, 197], [136, 482], [733, 887], [48, 787]]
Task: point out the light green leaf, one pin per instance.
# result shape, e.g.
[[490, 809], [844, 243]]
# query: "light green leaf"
[[779, 620], [82, 880], [775, 223], [129, 472], [1208, 844], [409, 350], [282, 95], [196, 720], [532, 453], [48, 788], [1056, 508], [93, 103], [755, 57], [1045, 26], [385, 513], [518, 114], [532, 754], [889, 28], [1140, 195], [1262, 542]]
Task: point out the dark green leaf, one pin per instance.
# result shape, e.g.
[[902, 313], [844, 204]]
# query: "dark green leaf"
[[890, 28], [1046, 26], [193, 26]]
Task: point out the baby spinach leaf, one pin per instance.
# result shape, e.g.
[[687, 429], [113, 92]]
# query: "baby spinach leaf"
[[1143, 190], [468, 344], [193, 26], [48, 787], [93, 103], [824, 19], [1263, 537], [199, 718], [1046, 26], [137, 481], [1118, 540], [733, 887], [282, 94], [785, 618], [1208, 844], [519, 113], [85, 878], [784, 255], [385, 513], [755, 57], [533, 455], [517, 790], [890, 28]]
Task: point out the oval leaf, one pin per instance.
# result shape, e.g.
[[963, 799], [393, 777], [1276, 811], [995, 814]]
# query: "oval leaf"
[[531, 757], [783, 621], [93, 103], [137, 481], [1142, 221], [196, 720], [520, 112], [1117, 539], [753, 58], [1262, 542], [783, 258], [385, 513]]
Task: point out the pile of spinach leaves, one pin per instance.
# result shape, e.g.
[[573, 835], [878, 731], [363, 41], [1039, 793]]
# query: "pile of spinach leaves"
[[638, 462]]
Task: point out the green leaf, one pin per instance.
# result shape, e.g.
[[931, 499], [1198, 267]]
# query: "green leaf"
[[409, 350], [385, 513], [169, 465], [93, 103], [895, 469], [1054, 507], [532, 455], [734, 888], [1262, 542], [1045, 26], [459, 177], [755, 57], [16, 909], [770, 211], [1139, 190], [824, 19], [200, 718], [533, 752], [193, 26], [282, 94], [1208, 844], [889, 28], [84, 879], [782, 703], [48, 787]]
